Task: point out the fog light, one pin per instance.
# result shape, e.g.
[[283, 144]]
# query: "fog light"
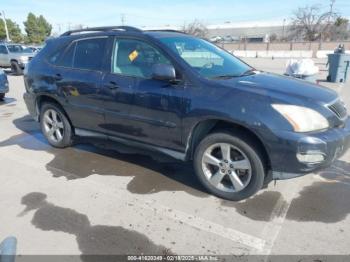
[[310, 158]]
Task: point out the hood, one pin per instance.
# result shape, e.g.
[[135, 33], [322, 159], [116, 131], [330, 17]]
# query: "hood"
[[282, 87], [22, 54]]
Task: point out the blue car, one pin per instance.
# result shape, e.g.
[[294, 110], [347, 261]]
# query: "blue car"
[[173, 93], [4, 84]]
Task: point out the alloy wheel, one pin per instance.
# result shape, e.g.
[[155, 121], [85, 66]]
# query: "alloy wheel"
[[53, 126], [226, 167]]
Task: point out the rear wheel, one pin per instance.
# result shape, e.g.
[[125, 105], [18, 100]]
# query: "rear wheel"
[[2, 96], [229, 166], [55, 126], [15, 68]]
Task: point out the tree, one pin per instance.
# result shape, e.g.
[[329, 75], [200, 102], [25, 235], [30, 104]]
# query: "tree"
[[310, 24], [340, 29], [14, 31], [37, 28], [196, 28]]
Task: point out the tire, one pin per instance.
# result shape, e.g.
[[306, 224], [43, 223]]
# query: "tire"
[[241, 148], [2, 96], [16, 69], [61, 124]]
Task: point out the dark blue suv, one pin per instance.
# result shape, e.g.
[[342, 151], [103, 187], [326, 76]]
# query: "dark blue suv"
[[187, 98]]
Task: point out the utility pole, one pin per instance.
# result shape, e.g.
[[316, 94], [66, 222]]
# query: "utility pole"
[[7, 31], [331, 11], [283, 30], [122, 18]]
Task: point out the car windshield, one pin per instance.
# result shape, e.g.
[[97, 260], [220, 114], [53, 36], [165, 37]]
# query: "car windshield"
[[207, 59], [15, 48]]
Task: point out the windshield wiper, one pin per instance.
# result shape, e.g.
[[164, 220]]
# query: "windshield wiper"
[[224, 76]]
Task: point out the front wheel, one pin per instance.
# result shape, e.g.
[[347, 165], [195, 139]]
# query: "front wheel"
[[229, 166], [55, 126], [16, 69]]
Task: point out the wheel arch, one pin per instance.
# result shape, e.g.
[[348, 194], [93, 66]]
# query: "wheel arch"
[[49, 99], [206, 127]]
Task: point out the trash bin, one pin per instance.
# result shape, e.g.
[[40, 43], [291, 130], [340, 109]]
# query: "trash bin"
[[338, 66]]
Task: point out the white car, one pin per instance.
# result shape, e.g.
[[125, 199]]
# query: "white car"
[[14, 56]]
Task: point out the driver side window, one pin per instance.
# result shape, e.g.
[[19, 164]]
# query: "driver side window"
[[135, 58]]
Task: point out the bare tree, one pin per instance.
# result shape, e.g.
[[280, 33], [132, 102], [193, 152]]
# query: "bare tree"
[[310, 24], [196, 28]]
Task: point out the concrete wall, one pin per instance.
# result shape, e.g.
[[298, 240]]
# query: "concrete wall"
[[283, 50]]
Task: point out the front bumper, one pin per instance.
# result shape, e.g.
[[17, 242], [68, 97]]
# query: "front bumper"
[[295, 154], [4, 86]]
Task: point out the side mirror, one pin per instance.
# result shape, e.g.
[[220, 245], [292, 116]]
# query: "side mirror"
[[163, 72]]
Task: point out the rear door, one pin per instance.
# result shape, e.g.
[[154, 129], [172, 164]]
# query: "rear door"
[[78, 76]]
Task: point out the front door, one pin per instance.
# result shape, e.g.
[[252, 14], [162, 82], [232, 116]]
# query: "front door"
[[156, 106]]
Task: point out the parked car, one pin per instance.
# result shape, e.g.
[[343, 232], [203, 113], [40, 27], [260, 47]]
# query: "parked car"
[[4, 84], [241, 127], [14, 56], [32, 49]]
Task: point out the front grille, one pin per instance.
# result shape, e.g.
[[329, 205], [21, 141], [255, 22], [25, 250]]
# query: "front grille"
[[339, 109]]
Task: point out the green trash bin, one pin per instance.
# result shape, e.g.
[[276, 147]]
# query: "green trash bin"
[[338, 67]]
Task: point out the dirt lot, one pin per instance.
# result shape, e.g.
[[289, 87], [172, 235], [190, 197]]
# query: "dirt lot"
[[88, 200]]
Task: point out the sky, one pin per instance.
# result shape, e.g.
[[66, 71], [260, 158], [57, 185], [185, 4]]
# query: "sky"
[[63, 14]]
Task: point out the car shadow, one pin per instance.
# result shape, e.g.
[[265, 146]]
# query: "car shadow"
[[96, 242], [7, 101], [150, 172]]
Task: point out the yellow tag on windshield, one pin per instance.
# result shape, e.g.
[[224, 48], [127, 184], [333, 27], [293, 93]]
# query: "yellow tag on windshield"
[[133, 55]]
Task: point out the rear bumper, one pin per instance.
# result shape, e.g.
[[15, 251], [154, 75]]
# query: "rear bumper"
[[30, 101], [294, 154]]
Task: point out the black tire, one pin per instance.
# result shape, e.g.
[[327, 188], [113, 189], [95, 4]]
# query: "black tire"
[[16, 69], [68, 134], [246, 145], [2, 96]]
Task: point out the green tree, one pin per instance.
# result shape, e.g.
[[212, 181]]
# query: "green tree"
[[340, 29], [37, 28], [13, 28]]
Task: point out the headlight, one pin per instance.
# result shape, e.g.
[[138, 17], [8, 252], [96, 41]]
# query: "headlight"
[[302, 119], [24, 58]]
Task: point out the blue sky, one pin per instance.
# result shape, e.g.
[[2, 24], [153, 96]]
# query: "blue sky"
[[63, 13]]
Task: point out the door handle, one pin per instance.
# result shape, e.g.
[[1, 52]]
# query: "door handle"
[[112, 85], [58, 77]]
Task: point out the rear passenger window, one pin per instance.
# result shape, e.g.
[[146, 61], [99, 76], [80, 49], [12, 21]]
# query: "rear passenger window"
[[67, 58], [89, 53]]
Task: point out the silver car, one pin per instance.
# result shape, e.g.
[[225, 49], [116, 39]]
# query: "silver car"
[[14, 56], [4, 84]]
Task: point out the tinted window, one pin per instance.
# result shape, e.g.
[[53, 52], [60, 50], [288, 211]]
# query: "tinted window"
[[89, 53], [135, 58], [67, 59], [3, 49]]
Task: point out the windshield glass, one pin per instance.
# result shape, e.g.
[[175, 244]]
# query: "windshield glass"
[[207, 59], [15, 48]]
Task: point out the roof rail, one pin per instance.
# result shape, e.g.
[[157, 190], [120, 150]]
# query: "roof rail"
[[166, 30], [103, 29]]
